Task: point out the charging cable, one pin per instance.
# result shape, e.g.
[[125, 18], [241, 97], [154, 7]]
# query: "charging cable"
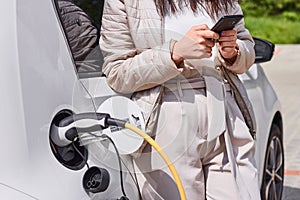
[[124, 124]]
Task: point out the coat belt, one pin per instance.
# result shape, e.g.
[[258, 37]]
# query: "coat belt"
[[215, 92]]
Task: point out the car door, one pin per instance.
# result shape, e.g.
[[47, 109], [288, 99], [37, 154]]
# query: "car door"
[[42, 85]]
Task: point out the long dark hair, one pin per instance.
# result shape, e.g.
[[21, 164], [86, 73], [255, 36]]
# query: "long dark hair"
[[212, 7]]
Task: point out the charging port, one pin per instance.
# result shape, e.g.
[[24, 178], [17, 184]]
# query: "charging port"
[[69, 155]]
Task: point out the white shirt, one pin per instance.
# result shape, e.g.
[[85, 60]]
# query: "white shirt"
[[175, 28]]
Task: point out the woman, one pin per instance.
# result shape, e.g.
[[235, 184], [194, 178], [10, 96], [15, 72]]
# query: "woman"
[[163, 53]]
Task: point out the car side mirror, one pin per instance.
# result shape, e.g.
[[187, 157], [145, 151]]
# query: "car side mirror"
[[263, 50]]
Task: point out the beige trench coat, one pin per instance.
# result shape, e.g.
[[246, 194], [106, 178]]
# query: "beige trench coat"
[[136, 57]]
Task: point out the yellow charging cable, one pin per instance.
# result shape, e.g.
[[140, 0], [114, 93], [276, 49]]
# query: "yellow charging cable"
[[163, 155]]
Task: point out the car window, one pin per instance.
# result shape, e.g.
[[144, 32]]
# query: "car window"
[[81, 21]]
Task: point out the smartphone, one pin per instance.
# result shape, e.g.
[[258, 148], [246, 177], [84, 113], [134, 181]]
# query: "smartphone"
[[227, 22]]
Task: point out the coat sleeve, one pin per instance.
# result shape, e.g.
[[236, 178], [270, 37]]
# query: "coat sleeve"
[[246, 46], [126, 69]]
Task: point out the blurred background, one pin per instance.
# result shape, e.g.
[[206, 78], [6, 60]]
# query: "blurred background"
[[275, 20]]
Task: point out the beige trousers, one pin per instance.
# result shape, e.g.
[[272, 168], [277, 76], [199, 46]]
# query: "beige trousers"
[[205, 169]]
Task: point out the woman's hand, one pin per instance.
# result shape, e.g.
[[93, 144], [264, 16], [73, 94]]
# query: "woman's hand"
[[196, 43], [228, 47]]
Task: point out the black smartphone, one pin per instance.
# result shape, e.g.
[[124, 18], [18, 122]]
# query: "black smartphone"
[[227, 22]]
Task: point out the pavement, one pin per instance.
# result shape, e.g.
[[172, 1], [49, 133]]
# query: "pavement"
[[283, 71]]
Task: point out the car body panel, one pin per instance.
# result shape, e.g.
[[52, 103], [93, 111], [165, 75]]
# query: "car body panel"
[[33, 99], [265, 105], [39, 80]]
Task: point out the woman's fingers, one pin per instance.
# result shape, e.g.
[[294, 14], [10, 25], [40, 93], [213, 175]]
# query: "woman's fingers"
[[201, 35], [227, 43], [227, 36], [207, 34], [228, 33], [231, 44]]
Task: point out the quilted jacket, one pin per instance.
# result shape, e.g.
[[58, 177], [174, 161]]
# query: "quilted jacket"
[[137, 59]]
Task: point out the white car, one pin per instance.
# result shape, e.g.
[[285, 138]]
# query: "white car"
[[41, 86]]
